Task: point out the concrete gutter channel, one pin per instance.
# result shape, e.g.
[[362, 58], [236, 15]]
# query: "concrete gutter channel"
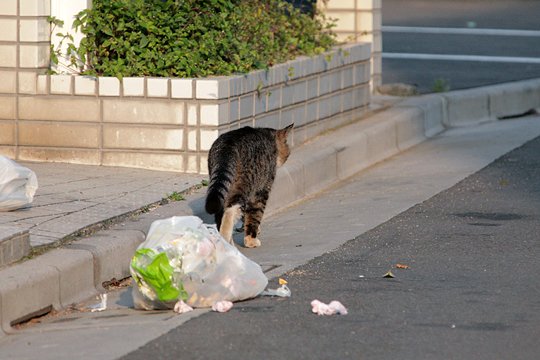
[[75, 272]]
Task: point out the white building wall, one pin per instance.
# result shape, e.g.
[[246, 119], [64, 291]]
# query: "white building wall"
[[66, 10]]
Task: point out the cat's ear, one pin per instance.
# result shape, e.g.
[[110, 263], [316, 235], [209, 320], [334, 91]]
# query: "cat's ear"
[[286, 130]]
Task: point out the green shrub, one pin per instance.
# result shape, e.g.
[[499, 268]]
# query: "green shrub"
[[193, 38]]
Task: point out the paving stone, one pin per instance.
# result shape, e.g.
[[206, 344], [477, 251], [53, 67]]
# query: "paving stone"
[[14, 244]]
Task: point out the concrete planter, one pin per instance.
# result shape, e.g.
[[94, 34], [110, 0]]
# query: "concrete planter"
[[170, 123]]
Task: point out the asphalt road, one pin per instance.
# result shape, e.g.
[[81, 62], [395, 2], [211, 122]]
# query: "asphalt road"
[[421, 48], [471, 291]]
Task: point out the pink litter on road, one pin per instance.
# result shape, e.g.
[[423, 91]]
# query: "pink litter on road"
[[222, 306], [181, 307], [335, 307]]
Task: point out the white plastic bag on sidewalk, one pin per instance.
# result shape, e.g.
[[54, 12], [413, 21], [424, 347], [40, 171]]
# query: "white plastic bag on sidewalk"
[[184, 259], [18, 185]]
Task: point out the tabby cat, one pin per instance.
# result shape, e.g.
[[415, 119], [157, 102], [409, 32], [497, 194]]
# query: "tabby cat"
[[242, 166]]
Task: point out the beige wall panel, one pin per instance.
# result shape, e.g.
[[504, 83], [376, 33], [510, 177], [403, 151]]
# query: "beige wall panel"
[[8, 55], [9, 30], [7, 107], [8, 82], [27, 82], [58, 135], [73, 156], [125, 137], [7, 133], [58, 108], [9, 151], [143, 111], [8, 7]]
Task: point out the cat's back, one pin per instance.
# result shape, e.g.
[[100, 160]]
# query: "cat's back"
[[245, 136], [248, 153], [246, 141]]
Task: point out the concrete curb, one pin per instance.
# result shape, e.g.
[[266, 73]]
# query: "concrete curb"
[[64, 276], [75, 273], [348, 150], [472, 106]]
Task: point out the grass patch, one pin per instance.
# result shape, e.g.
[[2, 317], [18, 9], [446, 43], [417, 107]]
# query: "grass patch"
[[440, 85]]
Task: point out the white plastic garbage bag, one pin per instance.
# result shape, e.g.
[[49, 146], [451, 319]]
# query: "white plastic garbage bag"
[[184, 259], [18, 185]]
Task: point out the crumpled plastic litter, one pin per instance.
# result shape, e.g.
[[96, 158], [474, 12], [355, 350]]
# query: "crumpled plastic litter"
[[184, 259], [222, 306], [181, 307], [18, 185], [335, 307], [101, 306], [282, 291]]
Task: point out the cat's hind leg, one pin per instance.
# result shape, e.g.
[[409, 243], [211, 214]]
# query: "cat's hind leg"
[[253, 216], [252, 228], [230, 216]]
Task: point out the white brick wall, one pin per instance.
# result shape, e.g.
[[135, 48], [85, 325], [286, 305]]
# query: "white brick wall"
[[358, 21], [8, 84], [34, 30], [27, 83], [61, 84], [64, 10], [109, 86], [8, 7], [85, 85], [170, 124], [212, 88], [8, 56], [182, 88], [9, 30], [35, 7], [157, 87]]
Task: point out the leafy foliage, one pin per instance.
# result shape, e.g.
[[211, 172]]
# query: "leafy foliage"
[[192, 38]]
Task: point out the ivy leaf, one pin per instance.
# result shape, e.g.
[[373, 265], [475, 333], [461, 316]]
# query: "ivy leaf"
[[143, 42]]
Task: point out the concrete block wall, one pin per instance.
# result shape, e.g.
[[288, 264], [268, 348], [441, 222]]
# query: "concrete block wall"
[[358, 21], [24, 53], [169, 123]]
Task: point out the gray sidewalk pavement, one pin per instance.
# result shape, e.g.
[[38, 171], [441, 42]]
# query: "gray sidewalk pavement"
[[75, 199]]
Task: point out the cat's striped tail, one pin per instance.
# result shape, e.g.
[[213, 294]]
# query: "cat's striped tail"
[[221, 177]]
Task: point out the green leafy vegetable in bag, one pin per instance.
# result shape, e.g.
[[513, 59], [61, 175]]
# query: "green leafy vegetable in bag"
[[154, 268]]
